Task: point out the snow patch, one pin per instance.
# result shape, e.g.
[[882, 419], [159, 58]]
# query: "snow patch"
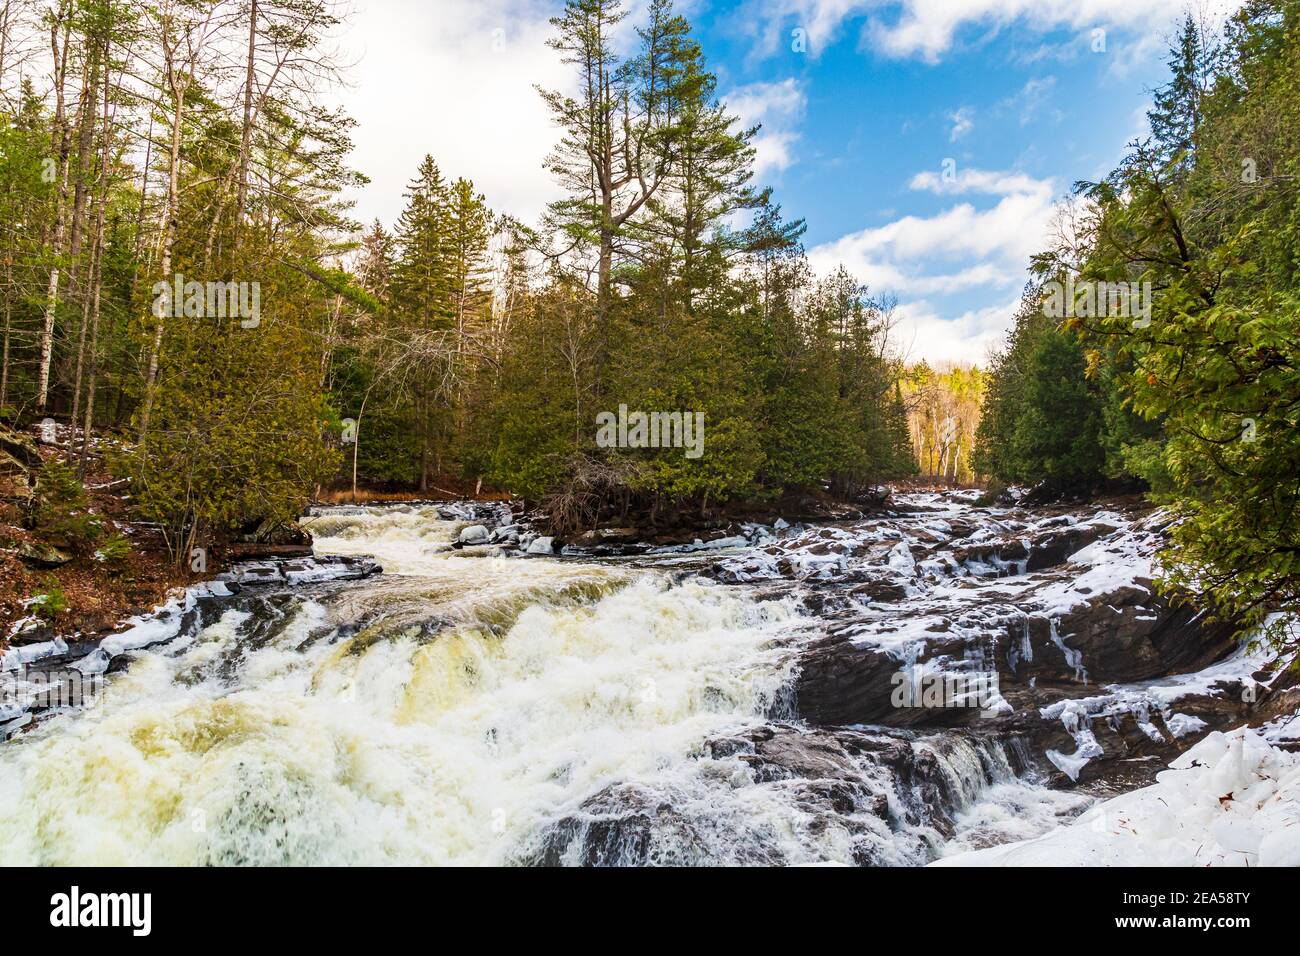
[[1231, 800]]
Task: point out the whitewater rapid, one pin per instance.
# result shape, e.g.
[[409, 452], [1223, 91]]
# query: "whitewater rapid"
[[461, 708], [545, 680]]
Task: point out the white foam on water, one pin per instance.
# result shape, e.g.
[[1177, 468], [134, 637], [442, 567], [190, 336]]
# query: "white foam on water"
[[390, 747]]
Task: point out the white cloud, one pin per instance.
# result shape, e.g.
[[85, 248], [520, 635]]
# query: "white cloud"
[[1011, 230], [819, 19], [455, 80], [1124, 57], [1031, 98], [928, 28], [949, 255], [962, 123], [921, 333], [778, 106], [993, 183]]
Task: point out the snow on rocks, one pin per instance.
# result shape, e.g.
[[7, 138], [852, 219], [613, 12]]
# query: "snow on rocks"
[[943, 579], [900, 558], [474, 534], [1233, 799], [1150, 704], [541, 545], [1097, 670], [29, 671], [1180, 725], [300, 570], [490, 513]]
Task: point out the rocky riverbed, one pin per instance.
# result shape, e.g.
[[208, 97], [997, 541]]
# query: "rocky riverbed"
[[936, 678]]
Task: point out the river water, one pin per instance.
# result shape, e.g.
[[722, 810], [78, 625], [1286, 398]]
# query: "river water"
[[477, 709]]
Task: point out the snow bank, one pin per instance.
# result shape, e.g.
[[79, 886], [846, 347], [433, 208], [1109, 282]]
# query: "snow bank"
[[1232, 800]]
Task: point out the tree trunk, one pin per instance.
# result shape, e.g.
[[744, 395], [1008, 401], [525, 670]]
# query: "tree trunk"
[[9, 286], [81, 186], [81, 335], [356, 443], [241, 195], [60, 206], [168, 242], [4, 40], [97, 266]]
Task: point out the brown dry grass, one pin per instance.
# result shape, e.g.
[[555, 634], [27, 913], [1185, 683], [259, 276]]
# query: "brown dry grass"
[[344, 496]]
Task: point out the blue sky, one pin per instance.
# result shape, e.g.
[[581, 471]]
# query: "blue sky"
[[864, 104]]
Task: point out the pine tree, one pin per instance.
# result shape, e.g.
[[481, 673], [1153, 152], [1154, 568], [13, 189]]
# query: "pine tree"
[[617, 144], [423, 285], [1176, 110], [374, 268], [709, 179]]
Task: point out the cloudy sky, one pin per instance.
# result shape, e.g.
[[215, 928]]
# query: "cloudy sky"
[[865, 104]]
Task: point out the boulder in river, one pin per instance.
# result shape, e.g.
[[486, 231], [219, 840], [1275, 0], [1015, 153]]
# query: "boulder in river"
[[474, 534], [542, 545]]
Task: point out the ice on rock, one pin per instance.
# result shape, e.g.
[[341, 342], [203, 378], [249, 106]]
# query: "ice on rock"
[[1231, 800], [1180, 725], [475, 534], [1073, 657], [543, 545], [900, 558]]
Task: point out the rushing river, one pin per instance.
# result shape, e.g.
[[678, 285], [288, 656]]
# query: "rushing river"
[[466, 708]]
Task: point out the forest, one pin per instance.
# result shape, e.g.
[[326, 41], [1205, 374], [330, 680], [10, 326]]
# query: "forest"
[[1194, 397], [184, 286], [182, 146]]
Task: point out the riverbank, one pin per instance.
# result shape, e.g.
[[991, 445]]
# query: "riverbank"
[[650, 523], [51, 584]]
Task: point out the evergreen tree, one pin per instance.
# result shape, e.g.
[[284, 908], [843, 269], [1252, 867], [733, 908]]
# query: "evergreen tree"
[[1176, 109], [423, 281]]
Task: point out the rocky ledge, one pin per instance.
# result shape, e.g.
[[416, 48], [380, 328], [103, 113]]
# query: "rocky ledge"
[[52, 673], [1047, 627], [952, 651], [1042, 625]]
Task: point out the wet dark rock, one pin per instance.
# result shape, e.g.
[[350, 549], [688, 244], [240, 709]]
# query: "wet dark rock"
[[880, 790], [1052, 549], [1125, 635], [623, 825], [270, 539], [841, 682], [880, 589], [35, 631]]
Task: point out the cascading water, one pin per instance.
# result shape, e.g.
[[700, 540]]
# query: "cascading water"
[[474, 709]]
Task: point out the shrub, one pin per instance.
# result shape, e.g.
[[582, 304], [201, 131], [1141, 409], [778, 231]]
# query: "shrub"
[[50, 603], [113, 550], [62, 512]]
